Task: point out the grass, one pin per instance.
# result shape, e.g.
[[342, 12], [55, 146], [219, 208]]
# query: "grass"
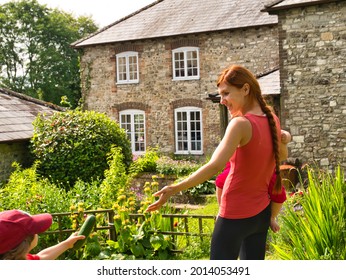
[[195, 247]]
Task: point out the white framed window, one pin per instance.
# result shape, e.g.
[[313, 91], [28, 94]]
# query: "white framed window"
[[185, 63], [127, 68], [133, 121], [188, 130]]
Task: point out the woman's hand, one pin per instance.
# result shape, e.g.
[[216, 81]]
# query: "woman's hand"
[[164, 194]]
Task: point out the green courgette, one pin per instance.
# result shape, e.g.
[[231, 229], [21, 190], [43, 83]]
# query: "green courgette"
[[85, 230]]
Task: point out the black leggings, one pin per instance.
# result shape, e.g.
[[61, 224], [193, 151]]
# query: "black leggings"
[[244, 238]]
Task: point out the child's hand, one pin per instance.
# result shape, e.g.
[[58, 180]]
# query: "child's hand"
[[285, 137], [74, 237], [274, 225]]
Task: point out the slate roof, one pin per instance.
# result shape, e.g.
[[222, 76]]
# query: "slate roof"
[[284, 4], [165, 18], [17, 112], [270, 82]]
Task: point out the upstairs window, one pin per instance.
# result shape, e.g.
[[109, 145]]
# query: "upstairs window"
[[188, 130], [127, 68], [133, 121], [186, 63]]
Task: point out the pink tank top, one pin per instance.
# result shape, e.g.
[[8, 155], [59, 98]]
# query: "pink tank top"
[[245, 193]]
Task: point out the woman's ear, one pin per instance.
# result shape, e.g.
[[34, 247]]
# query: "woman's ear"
[[246, 88]]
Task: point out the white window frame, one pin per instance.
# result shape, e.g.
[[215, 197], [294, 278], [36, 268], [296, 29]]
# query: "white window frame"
[[132, 133], [185, 67], [188, 140], [127, 56]]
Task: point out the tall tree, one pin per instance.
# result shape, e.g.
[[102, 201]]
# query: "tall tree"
[[35, 54]]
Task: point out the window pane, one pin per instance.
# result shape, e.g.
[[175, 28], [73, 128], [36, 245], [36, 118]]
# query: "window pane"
[[192, 63], [179, 64], [121, 61], [139, 118], [185, 126], [180, 136], [133, 68]]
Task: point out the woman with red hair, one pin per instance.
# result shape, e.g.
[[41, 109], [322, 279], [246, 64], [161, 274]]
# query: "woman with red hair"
[[251, 144]]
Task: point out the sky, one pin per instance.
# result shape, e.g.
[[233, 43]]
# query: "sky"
[[103, 12]]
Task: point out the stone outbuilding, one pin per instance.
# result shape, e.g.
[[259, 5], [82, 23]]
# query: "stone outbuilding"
[[17, 112], [312, 36]]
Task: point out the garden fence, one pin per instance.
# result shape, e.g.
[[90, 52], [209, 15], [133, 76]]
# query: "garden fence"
[[184, 221]]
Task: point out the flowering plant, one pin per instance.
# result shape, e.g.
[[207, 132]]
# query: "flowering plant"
[[296, 199], [138, 237]]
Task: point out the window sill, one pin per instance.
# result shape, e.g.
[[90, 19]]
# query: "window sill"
[[186, 79], [127, 83], [189, 153]]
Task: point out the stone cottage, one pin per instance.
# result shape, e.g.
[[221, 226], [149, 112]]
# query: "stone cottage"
[[154, 70], [312, 36], [17, 112]]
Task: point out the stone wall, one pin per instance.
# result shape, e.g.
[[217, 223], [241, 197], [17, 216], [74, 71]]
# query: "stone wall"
[[313, 82], [157, 94], [18, 152]]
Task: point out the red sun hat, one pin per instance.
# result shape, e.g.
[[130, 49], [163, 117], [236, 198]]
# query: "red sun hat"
[[16, 225]]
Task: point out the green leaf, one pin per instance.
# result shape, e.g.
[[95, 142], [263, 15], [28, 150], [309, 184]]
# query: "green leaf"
[[137, 249], [156, 242]]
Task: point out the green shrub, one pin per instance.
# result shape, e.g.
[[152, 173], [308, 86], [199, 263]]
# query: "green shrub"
[[167, 166], [115, 179], [138, 238], [315, 230], [146, 162], [27, 191], [73, 145]]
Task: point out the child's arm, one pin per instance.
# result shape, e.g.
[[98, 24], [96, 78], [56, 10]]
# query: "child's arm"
[[275, 210], [51, 253], [277, 199], [218, 195]]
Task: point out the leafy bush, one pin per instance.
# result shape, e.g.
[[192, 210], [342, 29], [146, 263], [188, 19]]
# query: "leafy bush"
[[116, 179], [182, 168], [167, 166], [208, 187], [138, 238], [73, 145], [25, 190], [316, 230], [146, 162]]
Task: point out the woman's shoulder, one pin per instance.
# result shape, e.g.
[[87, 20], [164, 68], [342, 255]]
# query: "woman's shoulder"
[[241, 127], [241, 122]]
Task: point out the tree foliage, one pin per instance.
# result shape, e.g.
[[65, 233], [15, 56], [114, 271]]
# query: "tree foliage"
[[35, 53], [74, 145]]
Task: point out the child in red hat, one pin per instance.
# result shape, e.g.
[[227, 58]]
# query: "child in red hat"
[[19, 235]]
